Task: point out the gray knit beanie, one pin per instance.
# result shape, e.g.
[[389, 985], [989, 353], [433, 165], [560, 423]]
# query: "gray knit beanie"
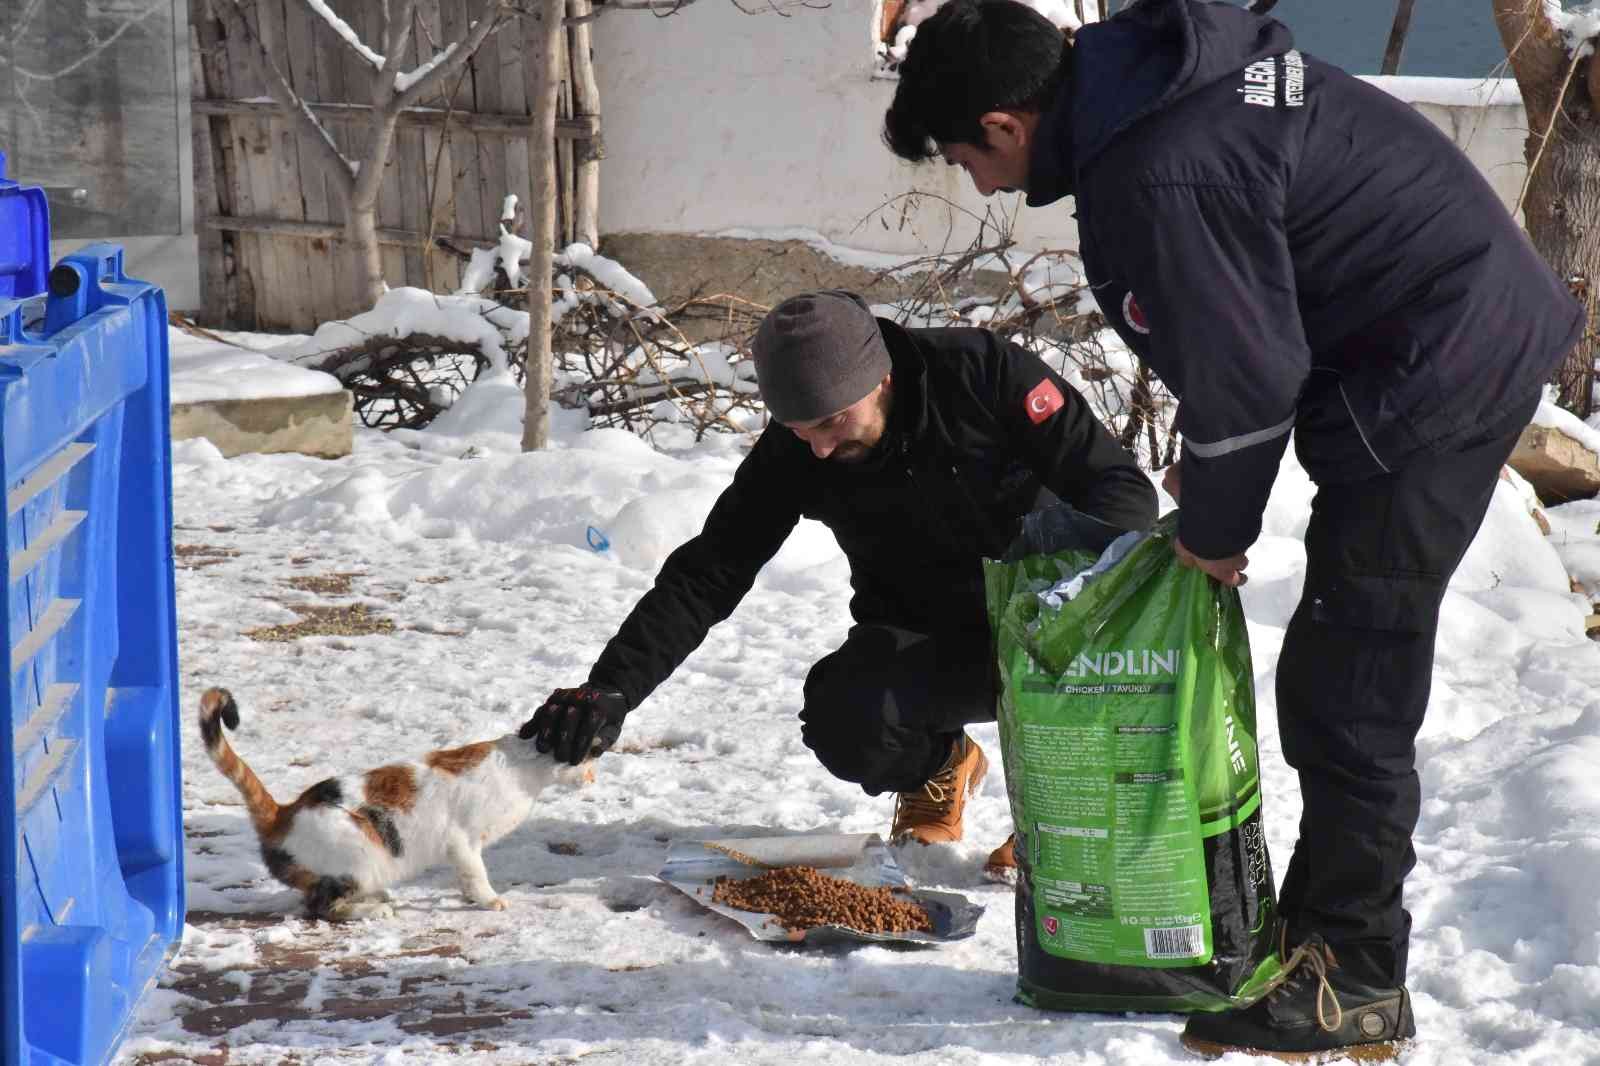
[[818, 353]]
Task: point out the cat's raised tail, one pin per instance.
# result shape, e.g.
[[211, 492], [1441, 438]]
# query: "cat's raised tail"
[[216, 710]]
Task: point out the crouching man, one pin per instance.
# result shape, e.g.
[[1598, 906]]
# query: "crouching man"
[[922, 450]]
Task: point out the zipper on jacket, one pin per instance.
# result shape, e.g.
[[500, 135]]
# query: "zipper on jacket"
[[986, 528], [903, 449]]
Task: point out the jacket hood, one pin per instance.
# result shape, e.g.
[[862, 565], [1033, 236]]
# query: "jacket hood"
[[1146, 58]]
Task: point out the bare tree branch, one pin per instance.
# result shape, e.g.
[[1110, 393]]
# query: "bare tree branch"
[[95, 49], [657, 7], [340, 168], [781, 7], [20, 23], [490, 20], [396, 33], [384, 23]]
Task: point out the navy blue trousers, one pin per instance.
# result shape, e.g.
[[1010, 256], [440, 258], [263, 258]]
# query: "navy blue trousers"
[[1353, 684]]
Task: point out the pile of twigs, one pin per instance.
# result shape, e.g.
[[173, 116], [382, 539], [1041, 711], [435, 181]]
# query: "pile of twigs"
[[404, 382], [635, 367], [1060, 322], [689, 364]]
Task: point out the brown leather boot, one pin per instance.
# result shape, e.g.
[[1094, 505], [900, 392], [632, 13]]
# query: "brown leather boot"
[[931, 814], [1001, 866]]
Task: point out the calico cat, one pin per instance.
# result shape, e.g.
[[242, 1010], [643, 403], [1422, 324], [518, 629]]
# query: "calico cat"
[[345, 840]]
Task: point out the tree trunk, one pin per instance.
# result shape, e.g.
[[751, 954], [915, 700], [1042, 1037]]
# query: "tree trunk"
[[1563, 220], [544, 52], [361, 223], [1562, 200], [361, 239], [565, 155], [587, 154], [1397, 37]]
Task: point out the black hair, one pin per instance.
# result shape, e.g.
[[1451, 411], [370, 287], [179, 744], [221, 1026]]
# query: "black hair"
[[967, 59]]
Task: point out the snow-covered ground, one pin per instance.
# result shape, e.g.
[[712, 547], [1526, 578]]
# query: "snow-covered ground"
[[479, 557]]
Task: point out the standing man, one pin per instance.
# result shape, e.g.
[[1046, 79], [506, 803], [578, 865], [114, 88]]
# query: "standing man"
[[1292, 251], [922, 450]]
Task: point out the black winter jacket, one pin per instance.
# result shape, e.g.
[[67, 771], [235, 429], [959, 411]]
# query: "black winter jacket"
[[1290, 248], [979, 427]]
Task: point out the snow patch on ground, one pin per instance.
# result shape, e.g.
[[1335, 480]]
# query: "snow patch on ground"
[[481, 556]]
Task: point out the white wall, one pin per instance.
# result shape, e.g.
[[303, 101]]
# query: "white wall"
[[170, 262], [718, 120]]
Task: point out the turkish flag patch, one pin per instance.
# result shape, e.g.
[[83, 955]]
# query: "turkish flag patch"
[[1044, 401], [1133, 314]]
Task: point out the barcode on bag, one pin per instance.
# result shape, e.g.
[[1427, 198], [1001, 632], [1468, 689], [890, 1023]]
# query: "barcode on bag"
[[1184, 942]]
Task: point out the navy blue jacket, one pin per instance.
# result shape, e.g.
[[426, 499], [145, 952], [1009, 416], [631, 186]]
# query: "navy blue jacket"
[[981, 432], [1290, 249]]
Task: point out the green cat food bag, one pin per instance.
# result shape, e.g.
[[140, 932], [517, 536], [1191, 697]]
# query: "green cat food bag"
[[1128, 734]]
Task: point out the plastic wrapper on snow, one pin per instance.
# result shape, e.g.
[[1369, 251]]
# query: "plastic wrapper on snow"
[[693, 867]]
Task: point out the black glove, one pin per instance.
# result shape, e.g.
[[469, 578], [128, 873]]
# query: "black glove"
[[577, 722]]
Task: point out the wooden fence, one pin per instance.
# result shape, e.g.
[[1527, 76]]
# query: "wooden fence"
[[270, 225]]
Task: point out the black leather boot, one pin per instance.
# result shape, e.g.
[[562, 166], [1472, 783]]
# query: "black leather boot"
[[1317, 1012]]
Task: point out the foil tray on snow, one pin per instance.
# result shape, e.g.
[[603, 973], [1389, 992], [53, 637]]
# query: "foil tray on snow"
[[693, 867]]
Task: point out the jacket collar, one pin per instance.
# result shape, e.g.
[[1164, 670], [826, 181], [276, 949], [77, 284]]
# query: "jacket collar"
[[1133, 65], [909, 419]]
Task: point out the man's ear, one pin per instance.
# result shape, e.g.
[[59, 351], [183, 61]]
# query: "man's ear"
[[1004, 129]]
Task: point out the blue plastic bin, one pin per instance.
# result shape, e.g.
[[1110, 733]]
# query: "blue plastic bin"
[[91, 877], [24, 238]]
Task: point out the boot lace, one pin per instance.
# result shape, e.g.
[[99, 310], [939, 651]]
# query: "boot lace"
[[1309, 960], [929, 803]]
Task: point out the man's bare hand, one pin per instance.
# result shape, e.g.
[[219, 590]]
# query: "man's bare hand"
[[1170, 480], [1229, 571]]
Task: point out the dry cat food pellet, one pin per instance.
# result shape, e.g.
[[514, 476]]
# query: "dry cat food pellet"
[[801, 898]]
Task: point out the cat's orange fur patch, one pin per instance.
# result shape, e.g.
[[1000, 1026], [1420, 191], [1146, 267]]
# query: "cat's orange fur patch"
[[459, 760], [265, 814], [274, 831], [394, 787]]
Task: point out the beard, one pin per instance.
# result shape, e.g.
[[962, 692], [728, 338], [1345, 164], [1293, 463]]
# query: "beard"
[[853, 452]]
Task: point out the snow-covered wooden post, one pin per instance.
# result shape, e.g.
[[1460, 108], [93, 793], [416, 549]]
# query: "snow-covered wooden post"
[[545, 27], [357, 181], [1549, 50]]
